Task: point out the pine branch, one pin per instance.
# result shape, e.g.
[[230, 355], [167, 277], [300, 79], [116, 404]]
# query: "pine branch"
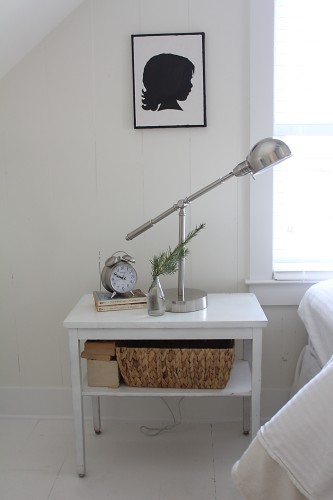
[[167, 262]]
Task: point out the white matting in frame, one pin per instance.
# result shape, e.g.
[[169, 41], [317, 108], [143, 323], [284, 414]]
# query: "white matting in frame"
[[169, 80]]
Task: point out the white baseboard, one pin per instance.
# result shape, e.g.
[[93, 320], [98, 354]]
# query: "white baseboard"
[[35, 401], [55, 402]]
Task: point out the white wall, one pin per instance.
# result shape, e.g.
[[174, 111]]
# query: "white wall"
[[76, 178]]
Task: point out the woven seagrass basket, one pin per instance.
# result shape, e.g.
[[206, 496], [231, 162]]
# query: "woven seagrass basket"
[[183, 364]]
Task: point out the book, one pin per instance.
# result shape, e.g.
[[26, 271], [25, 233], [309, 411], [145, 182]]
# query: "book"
[[104, 298], [99, 345], [96, 357], [99, 348], [119, 307]]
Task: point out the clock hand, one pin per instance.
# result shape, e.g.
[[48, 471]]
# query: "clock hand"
[[121, 277]]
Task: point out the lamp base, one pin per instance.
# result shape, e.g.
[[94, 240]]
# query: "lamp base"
[[194, 300]]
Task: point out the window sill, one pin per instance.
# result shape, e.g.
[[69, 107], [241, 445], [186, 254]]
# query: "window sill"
[[279, 293]]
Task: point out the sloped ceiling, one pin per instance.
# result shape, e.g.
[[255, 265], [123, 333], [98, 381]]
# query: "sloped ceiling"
[[24, 23]]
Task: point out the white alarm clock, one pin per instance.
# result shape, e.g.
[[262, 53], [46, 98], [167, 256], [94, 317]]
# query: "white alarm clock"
[[118, 275]]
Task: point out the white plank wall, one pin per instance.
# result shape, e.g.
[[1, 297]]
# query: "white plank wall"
[[75, 178]]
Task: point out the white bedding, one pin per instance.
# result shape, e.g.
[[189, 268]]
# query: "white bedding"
[[316, 312], [300, 439], [259, 477], [291, 458]]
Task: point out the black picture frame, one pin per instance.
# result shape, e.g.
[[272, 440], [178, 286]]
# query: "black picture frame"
[[169, 80]]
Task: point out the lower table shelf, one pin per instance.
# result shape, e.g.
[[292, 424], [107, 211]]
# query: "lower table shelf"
[[239, 385]]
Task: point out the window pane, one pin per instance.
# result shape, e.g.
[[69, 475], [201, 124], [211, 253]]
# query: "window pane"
[[303, 69], [303, 203], [303, 118]]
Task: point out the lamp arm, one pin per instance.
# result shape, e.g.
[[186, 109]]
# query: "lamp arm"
[[152, 222], [210, 186], [180, 204]]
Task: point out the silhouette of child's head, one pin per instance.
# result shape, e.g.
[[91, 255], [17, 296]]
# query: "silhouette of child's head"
[[167, 79]]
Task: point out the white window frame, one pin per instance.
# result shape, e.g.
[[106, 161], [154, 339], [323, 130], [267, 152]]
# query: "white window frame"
[[267, 290]]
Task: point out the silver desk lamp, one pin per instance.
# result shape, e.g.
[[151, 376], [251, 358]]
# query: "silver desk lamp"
[[264, 154]]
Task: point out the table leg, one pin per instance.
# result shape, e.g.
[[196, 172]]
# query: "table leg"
[[256, 380], [96, 407], [247, 355], [74, 349], [246, 415]]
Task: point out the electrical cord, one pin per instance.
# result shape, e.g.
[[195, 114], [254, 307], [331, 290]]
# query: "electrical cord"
[[155, 431]]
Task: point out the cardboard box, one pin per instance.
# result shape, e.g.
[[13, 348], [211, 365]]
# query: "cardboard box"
[[102, 366], [102, 373]]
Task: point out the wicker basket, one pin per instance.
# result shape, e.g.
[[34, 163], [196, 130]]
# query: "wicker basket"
[[184, 364]]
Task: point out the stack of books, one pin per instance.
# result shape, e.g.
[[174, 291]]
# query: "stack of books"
[[102, 365], [99, 350], [129, 300]]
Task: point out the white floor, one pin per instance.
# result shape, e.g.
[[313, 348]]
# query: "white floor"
[[189, 462]]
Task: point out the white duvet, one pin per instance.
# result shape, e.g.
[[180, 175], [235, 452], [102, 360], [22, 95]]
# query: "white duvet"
[[300, 439]]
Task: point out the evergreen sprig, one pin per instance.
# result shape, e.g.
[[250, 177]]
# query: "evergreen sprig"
[[167, 262]]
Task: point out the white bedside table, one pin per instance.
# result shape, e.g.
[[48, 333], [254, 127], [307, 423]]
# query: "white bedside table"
[[228, 316]]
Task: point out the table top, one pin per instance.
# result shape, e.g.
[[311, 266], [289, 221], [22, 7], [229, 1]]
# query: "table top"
[[225, 310]]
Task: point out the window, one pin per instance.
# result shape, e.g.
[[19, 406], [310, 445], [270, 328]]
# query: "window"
[[292, 101], [303, 117]]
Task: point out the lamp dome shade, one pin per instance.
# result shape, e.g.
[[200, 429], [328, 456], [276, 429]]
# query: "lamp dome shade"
[[266, 153]]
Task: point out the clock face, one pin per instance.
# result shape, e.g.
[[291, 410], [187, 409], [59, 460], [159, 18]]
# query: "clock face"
[[123, 277]]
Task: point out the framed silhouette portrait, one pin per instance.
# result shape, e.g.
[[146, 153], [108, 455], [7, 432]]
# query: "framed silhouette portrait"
[[169, 80]]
